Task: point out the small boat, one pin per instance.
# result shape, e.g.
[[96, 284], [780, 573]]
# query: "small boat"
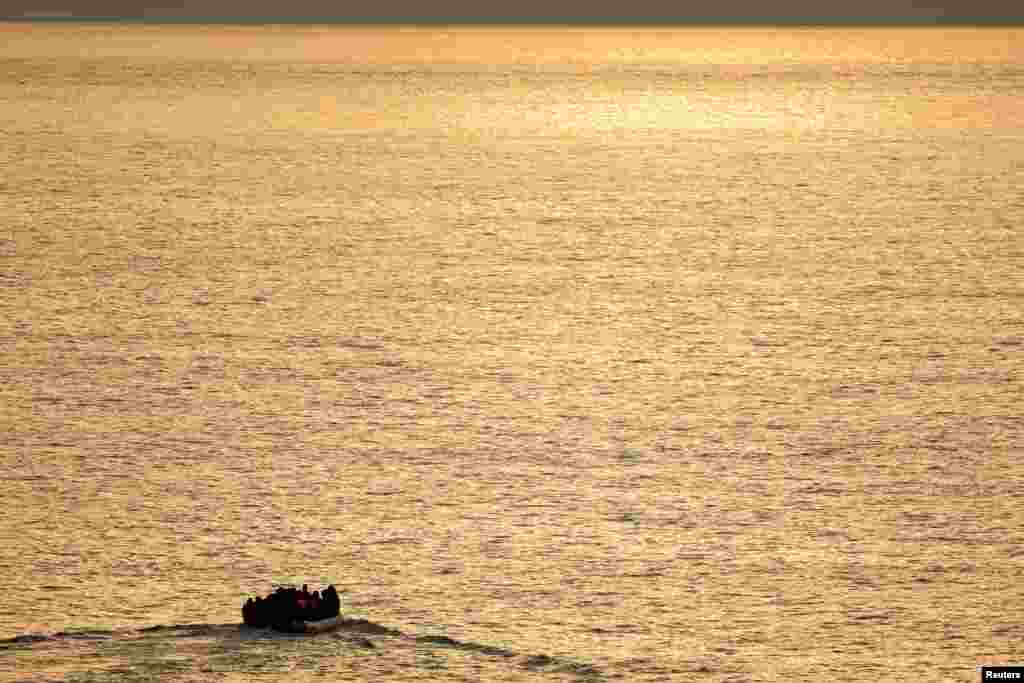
[[293, 611]]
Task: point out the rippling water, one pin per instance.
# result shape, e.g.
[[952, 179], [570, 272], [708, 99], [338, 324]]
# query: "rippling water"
[[566, 354]]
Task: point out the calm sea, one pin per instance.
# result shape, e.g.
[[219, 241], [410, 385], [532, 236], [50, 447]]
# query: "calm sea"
[[568, 354]]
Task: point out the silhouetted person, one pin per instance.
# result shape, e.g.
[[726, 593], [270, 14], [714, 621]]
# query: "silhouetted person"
[[261, 608], [247, 612], [331, 602]]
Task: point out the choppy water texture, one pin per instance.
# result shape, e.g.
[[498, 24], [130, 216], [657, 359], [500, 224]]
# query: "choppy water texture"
[[567, 354]]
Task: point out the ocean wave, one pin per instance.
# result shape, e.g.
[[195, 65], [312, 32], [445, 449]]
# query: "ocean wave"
[[231, 644]]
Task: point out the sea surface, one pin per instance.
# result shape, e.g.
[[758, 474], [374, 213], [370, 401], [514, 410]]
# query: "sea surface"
[[565, 354]]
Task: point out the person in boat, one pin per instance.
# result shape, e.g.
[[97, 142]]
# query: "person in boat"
[[285, 609], [314, 605], [247, 612], [254, 613], [331, 604]]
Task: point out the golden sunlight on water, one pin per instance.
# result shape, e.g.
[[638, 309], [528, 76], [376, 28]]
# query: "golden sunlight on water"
[[567, 354]]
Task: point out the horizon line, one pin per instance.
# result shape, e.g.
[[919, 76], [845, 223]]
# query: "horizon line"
[[809, 21]]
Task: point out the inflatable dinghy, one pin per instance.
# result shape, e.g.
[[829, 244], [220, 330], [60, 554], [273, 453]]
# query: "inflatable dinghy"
[[293, 611], [318, 626]]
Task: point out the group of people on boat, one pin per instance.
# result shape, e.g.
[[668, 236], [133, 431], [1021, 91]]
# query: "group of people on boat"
[[287, 605]]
